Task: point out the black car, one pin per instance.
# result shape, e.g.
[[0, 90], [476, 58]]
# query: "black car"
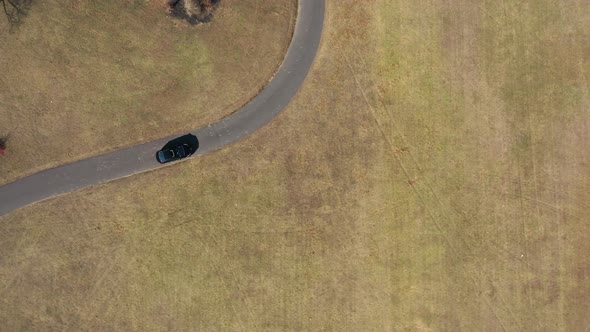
[[177, 149]]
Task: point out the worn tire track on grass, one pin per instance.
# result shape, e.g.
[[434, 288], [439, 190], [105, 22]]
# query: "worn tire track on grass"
[[141, 158]]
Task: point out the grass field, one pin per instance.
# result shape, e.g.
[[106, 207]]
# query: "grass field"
[[80, 78], [492, 105], [430, 175]]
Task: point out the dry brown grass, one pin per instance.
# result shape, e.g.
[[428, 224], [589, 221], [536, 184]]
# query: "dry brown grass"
[[80, 78], [492, 101], [405, 188]]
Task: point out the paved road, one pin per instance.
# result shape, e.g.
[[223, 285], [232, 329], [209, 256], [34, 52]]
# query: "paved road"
[[140, 158]]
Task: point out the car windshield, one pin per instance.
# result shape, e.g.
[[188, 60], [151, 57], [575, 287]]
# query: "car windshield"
[[168, 154]]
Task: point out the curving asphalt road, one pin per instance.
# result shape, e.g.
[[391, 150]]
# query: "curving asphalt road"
[[140, 158]]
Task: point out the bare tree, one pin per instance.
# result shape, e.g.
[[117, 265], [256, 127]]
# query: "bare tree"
[[15, 10], [193, 11]]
